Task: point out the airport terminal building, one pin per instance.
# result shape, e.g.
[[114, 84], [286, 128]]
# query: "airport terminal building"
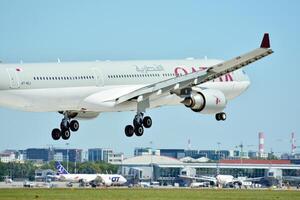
[[166, 170]]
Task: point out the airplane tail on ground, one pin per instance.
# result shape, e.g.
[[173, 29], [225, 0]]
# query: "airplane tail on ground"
[[60, 168]]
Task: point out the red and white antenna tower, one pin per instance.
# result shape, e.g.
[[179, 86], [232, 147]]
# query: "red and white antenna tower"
[[261, 143]]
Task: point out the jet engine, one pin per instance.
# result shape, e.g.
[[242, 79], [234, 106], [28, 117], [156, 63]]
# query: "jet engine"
[[206, 101]]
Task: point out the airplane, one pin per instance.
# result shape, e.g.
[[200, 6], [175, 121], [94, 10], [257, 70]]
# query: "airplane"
[[218, 180], [106, 179], [83, 90]]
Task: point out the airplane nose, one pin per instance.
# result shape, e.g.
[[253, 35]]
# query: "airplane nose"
[[124, 180]]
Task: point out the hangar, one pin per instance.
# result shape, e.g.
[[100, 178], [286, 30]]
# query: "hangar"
[[166, 170]]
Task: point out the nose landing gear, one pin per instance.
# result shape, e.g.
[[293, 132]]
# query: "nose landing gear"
[[221, 116]]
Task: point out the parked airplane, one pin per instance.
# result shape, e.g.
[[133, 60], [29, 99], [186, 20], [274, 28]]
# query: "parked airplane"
[[106, 179], [85, 89], [219, 180]]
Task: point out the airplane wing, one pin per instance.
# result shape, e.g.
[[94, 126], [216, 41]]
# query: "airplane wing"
[[253, 179], [178, 84]]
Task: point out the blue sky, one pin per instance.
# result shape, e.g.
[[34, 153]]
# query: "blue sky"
[[42, 31]]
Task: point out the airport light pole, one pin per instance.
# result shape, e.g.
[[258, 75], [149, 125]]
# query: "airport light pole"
[[67, 144], [75, 170], [151, 146], [218, 162]]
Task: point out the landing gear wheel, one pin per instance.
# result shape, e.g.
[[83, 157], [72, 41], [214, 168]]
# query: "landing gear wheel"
[[147, 122], [65, 134], [218, 117], [223, 116], [139, 130], [56, 134], [129, 131], [74, 125]]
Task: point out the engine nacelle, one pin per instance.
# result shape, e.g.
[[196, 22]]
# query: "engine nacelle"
[[207, 101]]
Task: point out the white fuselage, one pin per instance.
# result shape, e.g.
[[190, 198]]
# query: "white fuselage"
[[106, 179], [87, 86], [224, 179]]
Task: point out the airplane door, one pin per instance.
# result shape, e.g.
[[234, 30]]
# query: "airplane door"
[[13, 78], [98, 77]]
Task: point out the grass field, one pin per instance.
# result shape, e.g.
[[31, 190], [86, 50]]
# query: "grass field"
[[140, 194]]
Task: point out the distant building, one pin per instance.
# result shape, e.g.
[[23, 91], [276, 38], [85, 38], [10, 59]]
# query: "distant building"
[[7, 157], [73, 155], [49, 154], [107, 153], [99, 154], [58, 157], [195, 154], [139, 151], [173, 153], [116, 158], [167, 170], [192, 153], [252, 154], [95, 154], [39, 154], [214, 154]]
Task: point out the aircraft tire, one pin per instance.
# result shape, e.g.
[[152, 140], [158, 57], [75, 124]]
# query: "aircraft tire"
[[129, 130], [139, 130], [74, 125], [223, 116], [218, 117], [147, 122], [56, 134], [65, 134]]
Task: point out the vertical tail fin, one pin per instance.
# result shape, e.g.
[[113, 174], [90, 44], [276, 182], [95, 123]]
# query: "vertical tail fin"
[[265, 43], [60, 168]]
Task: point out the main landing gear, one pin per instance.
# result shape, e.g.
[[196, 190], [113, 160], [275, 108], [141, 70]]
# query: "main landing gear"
[[139, 122], [66, 126], [221, 116]]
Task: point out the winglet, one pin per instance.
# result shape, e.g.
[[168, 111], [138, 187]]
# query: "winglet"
[[265, 43]]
